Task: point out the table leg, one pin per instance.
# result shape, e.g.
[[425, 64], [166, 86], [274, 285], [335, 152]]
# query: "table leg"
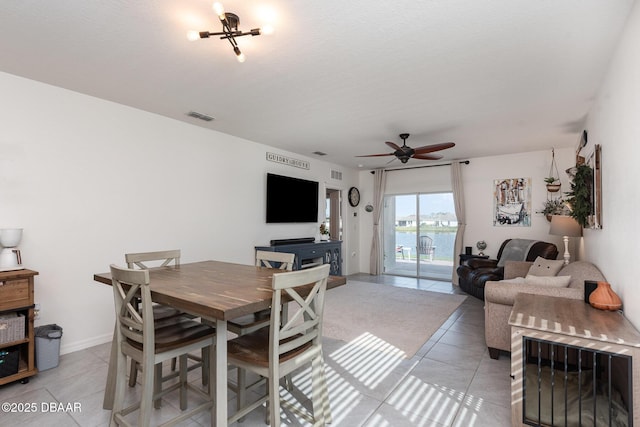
[[220, 383], [110, 388]]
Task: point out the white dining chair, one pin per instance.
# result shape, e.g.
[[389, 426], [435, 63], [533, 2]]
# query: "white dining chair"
[[252, 322], [286, 346], [149, 343], [145, 260]]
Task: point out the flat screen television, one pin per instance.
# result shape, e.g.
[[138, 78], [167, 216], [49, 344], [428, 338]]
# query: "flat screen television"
[[291, 199]]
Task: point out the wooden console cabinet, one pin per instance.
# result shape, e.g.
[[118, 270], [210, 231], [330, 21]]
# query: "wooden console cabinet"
[[16, 296], [312, 254]]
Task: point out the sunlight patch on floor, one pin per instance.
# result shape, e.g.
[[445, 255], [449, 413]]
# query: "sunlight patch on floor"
[[368, 359], [417, 400]]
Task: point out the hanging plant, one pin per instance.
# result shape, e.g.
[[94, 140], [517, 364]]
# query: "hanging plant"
[[580, 195], [553, 180], [554, 207]]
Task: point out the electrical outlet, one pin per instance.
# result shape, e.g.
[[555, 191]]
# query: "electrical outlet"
[[36, 311]]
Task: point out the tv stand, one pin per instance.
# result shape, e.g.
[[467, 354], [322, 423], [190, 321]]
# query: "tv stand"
[[312, 254]]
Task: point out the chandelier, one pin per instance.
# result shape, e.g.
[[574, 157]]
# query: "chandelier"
[[230, 31]]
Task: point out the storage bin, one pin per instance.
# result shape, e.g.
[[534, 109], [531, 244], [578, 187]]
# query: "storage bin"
[[11, 327], [47, 346], [9, 361]]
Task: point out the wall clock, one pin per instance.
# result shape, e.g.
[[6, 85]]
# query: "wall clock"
[[354, 196]]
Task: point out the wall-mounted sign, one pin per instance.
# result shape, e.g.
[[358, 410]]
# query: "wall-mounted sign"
[[279, 158]]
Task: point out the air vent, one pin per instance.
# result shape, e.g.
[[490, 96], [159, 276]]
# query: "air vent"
[[200, 116], [319, 153], [336, 175]]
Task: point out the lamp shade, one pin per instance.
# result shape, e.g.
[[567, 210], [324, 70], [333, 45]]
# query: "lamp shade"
[[565, 226]]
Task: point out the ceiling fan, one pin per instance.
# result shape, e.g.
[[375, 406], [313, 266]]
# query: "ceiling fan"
[[405, 152]]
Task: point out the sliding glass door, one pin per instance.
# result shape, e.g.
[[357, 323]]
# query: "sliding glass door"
[[419, 234]]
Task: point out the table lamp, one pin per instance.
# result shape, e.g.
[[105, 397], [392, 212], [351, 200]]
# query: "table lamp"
[[566, 227]]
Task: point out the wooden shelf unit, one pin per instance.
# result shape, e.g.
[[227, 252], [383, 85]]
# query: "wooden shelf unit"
[[16, 296]]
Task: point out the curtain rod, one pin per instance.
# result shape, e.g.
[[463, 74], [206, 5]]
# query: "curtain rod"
[[466, 162]]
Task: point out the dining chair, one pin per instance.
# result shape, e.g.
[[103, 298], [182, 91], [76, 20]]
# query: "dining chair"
[[286, 346], [253, 322], [149, 343], [145, 260]]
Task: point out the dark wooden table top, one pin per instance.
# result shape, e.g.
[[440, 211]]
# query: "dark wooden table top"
[[213, 289]]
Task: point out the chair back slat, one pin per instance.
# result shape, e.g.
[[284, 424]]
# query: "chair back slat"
[[279, 260], [294, 334], [138, 259], [128, 286]]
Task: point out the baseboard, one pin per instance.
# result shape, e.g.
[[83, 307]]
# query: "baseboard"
[[84, 344]]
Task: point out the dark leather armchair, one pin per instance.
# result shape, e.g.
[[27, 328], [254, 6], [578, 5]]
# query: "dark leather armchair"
[[473, 273]]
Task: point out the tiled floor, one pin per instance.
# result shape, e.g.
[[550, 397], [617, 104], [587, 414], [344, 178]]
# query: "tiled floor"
[[451, 381]]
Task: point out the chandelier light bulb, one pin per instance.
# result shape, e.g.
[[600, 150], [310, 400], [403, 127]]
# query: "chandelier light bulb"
[[193, 35], [266, 30], [240, 56], [218, 9]]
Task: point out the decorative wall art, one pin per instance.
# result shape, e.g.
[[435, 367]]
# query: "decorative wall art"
[[512, 202]]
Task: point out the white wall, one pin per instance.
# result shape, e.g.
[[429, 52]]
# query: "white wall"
[[90, 180], [478, 177], [614, 123]]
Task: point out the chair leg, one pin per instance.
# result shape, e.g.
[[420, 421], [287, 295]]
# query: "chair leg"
[[120, 384], [326, 405], [204, 354], [274, 401], [157, 384], [317, 391], [133, 373], [241, 390], [183, 382], [146, 397]]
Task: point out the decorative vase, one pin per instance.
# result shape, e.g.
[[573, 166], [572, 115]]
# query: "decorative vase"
[[604, 298], [324, 237]]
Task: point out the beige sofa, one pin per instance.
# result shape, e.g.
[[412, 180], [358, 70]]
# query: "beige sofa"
[[499, 298]]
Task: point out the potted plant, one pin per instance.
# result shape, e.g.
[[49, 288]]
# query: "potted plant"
[[324, 232], [553, 184], [580, 195], [553, 179], [554, 207]]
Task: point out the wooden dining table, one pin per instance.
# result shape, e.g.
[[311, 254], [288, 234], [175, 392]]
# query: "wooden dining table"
[[215, 291]]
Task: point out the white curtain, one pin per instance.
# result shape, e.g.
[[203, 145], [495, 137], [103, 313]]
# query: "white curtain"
[[375, 260], [458, 202]]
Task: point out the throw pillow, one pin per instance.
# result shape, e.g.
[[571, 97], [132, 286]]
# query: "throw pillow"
[[545, 267], [548, 281]]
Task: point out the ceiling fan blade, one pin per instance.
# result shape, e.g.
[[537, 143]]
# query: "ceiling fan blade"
[[376, 155], [393, 145], [433, 147], [427, 156]]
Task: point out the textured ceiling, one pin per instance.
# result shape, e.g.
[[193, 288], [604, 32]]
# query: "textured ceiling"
[[341, 77]]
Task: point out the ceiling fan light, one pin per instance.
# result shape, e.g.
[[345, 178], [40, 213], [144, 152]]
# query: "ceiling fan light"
[[266, 30], [240, 56], [218, 8]]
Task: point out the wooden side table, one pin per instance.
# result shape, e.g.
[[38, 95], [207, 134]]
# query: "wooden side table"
[[575, 324]]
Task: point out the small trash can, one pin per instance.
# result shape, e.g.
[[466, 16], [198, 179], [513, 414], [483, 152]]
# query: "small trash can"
[[47, 346]]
